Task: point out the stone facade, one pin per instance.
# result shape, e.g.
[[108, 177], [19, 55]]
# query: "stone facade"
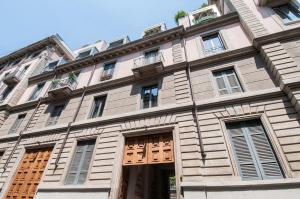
[[264, 59]]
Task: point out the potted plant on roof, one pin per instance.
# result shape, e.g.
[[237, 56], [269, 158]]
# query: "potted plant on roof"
[[180, 14]]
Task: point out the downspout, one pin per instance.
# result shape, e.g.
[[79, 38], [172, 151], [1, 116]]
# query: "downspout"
[[74, 117], [26, 126], [194, 109]]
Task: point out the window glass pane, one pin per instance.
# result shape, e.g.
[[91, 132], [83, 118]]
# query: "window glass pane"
[[287, 13], [213, 44], [98, 106], [37, 91], [55, 114], [227, 82], [17, 123], [149, 96]]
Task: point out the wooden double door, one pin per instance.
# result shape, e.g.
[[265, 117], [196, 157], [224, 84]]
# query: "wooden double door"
[[29, 174], [149, 149]]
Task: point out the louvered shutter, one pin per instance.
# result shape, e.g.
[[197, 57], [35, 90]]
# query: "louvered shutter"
[[17, 124], [223, 90], [233, 82], [56, 112], [80, 163], [253, 152], [268, 164], [247, 166], [227, 82]]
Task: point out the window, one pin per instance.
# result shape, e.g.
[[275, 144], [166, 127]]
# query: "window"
[[51, 66], [35, 54], [149, 96], [213, 44], [287, 12], [108, 71], [55, 113], [253, 151], [36, 91], [86, 53], [6, 92], [227, 82], [151, 56], [80, 162], [17, 123], [16, 62], [98, 106]]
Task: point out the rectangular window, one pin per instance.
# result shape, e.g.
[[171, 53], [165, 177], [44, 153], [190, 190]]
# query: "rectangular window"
[[108, 71], [149, 96], [6, 92], [213, 44], [287, 12], [37, 91], [55, 113], [98, 106], [17, 123], [253, 151], [80, 162], [227, 82], [151, 56]]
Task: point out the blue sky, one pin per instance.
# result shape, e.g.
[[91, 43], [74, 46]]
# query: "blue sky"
[[81, 22]]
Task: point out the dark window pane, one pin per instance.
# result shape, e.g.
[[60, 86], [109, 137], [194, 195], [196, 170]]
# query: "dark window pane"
[[149, 96], [287, 12], [98, 106]]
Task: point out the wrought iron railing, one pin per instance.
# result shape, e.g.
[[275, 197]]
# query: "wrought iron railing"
[[202, 19], [147, 60], [65, 82], [215, 50], [16, 73]]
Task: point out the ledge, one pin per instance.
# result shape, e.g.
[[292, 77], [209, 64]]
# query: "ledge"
[[239, 98], [75, 188], [253, 184]]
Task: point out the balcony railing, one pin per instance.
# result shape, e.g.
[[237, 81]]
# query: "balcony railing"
[[147, 65], [62, 87], [202, 19], [215, 50], [106, 76], [14, 77], [148, 60]]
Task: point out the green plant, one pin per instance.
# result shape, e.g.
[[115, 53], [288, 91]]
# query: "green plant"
[[204, 5], [72, 77], [179, 14]]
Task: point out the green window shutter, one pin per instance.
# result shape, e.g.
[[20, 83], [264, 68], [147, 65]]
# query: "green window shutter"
[[253, 151], [81, 162]]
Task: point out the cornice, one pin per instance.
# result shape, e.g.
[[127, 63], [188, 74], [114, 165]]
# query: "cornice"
[[277, 37], [52, 40], [225, 56]]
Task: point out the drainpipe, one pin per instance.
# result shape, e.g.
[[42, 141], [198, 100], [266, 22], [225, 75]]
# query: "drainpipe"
[[74, 117], [194, 109], [26, 127], [30, 119]]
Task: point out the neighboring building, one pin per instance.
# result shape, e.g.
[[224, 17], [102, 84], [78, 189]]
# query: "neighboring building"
[[208, 109]]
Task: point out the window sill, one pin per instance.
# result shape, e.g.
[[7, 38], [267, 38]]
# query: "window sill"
[[292, 22]]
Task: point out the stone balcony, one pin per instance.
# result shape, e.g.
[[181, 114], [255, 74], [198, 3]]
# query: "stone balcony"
[[61, 88], [13, 78], [148, 65]]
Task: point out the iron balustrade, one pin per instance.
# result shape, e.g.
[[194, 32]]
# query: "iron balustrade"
[[65, 82], [148, 60]]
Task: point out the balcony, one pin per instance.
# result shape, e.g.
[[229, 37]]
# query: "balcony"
[[14, 77], [105, 76], [61, 88], [215, 50], [202, 19], [148, 65]]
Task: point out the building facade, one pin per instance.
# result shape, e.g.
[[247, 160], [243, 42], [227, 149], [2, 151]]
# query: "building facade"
[[208, 109]]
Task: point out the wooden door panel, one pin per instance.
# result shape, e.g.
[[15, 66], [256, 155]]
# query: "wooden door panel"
[[151, 149], [29, 174]]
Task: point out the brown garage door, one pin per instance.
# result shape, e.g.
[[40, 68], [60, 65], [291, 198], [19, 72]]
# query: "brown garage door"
[[29, 174], [150, 149]]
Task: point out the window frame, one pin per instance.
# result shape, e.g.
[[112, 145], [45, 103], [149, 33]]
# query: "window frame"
[[238, 78], [292, 7], [93, 50], [88, 139], [36, 90], [92, 107], [19, 123], [285, 166], [113, 70], [143, 88], [221, 38], [52, 108]]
